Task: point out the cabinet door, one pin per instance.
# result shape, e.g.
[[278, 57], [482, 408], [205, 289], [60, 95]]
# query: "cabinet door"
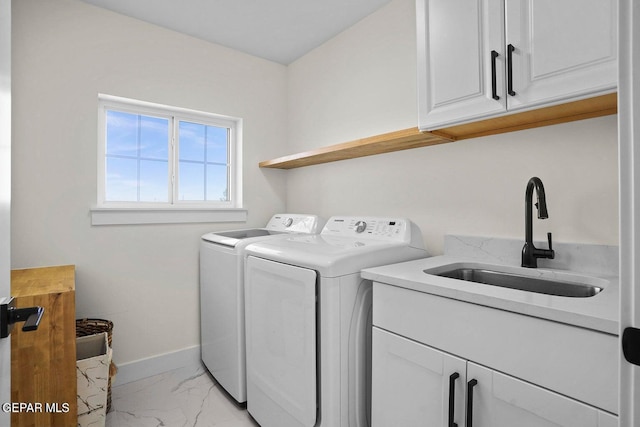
[[500, 400], [411, 384], [562, 50], [455, 43]]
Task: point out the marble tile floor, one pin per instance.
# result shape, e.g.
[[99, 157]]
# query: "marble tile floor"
[[185, 397]]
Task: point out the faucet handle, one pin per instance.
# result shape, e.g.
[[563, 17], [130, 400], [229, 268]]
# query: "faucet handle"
[[551, 252]]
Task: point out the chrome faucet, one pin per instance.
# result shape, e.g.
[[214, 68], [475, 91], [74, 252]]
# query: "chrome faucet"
[[530, 253]]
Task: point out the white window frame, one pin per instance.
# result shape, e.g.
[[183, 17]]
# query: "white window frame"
[[174, 211]]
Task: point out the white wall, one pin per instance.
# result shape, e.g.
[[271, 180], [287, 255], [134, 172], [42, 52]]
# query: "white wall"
[[363, 82], [144, 278]]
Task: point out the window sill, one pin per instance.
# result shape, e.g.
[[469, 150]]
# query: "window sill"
[[165, 215]]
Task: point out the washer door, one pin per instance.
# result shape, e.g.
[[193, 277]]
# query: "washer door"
[[280, 312]]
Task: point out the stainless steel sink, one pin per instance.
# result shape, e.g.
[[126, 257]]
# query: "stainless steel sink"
[[521, 282]]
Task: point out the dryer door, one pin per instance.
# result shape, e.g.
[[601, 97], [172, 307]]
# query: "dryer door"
[[280, 302]]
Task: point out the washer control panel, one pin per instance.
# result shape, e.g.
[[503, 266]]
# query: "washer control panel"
[[361, 226], [295, 222], [379, 228]]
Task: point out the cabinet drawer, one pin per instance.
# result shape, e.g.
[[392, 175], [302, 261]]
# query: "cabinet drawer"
[[576, 362]]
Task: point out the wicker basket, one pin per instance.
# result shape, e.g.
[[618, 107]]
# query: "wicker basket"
[[86, 327]]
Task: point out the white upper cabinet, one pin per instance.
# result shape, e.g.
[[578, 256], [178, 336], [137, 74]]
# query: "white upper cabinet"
[[562, 49], [483, 58], [456, 39]]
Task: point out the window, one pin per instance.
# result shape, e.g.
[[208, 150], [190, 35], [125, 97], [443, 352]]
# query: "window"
[[156, 156]]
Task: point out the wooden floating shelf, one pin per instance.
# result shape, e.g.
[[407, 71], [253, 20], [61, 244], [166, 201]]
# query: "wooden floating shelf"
[[412, 138], [385, 143]]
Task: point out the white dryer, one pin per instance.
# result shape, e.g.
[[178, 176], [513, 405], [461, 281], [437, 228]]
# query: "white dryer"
[[222, 295], [308, 320]]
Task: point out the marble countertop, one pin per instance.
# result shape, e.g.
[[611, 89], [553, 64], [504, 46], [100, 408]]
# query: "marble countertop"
[[599, 312]]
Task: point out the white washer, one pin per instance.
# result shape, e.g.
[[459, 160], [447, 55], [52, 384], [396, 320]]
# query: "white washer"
[[308, 320], [222, 295]]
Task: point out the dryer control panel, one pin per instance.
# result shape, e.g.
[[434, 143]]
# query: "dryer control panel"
[[379, 228]]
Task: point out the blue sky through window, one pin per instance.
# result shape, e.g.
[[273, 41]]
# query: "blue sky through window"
[[203, 162], [137, 159]]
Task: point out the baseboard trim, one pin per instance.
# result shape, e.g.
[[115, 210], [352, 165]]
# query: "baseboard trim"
[[144, 368]]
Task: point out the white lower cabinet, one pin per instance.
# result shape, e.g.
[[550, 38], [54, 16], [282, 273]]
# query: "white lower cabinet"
[[501, 400], [414, 385]]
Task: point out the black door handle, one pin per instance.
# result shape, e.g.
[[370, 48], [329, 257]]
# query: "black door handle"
[[470, 385], [631, 345], [30, 316], [494, 87], [9, 315], [452, 393], [510, 50]]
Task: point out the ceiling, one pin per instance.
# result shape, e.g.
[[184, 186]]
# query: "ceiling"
[[277, 30]]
